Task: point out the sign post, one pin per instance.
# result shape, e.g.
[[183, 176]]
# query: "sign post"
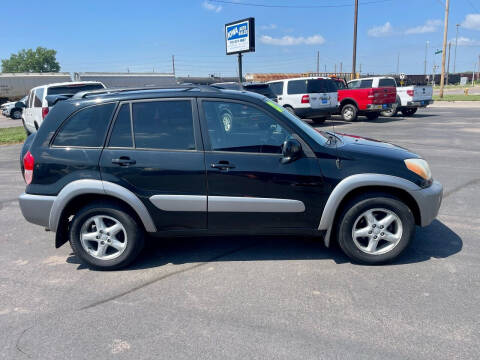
[[240, 38]]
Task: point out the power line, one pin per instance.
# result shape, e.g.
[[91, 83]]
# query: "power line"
[[295, 6], [473, 7]]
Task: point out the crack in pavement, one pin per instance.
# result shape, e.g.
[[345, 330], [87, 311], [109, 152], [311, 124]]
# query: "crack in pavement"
[[17, 343], [460, 187], [150, 282]]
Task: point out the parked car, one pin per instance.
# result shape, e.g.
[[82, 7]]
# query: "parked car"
[[309, 97], [105, 169], [10, 109], [409, 98], [259, 88], [41, 99], [364, 97]]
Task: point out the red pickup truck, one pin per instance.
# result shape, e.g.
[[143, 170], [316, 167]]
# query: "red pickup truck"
[[366, 96]]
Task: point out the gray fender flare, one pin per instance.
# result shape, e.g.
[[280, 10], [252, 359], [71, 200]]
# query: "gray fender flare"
[[351, 183], [87, 186]]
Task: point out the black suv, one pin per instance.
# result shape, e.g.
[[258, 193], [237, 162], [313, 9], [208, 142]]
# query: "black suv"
[[109, 166]]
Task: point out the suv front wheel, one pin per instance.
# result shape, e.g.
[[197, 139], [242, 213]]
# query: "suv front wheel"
[[105, 236], [375, 228]]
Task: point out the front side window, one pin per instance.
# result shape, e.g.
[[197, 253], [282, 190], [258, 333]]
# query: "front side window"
[[86, 128], [163, 125], [239, 127], [354, 84]]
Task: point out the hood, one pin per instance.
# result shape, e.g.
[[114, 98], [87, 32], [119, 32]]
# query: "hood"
[[361, 144]]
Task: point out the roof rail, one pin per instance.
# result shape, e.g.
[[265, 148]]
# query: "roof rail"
[[205, 88]]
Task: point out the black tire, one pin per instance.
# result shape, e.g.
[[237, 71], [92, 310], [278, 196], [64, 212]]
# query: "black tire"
[[409, 111], [355, 208], [349, 112], [393, 110], [372, 115], [134, 233], [26, 130], [16, 113]]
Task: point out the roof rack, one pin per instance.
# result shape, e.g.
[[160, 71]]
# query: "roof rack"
[[205, 88]]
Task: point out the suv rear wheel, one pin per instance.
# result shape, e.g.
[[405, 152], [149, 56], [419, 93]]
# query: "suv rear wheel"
[[375, 228], [105, 236]]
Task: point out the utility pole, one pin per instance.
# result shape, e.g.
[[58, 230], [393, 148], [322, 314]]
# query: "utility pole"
[[173, 64], [335, 68], [341, 67], [444, 49], [478, 74], [398, 63], [318, 62], [448, 63], [360, 70], [426, 53], [325, 68], [354, 59], [455, 56]]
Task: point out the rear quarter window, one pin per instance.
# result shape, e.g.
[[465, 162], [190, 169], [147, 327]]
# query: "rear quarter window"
[[297, 87], [366, 84], [277, 87], [85, 128], [386, 82]]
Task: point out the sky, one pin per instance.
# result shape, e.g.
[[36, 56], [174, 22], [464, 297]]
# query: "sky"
[[140, 36]]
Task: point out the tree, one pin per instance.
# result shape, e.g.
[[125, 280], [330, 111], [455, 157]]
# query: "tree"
[[39, 60]]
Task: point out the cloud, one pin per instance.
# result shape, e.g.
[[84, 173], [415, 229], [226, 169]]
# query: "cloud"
[[429, 27], [382, 30], [268, 27], [472, 21], [464, 41], [292, 40], [211, 7]]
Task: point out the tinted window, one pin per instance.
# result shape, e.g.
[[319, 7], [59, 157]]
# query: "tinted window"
[[340, 85], [72, 89], [386, 82], [122, 130], [38, 97], [365, 84], [354, 84], [321, 86], [86, 128], [262, 89], [277, 87], [242, 128], [297, 87], [163, 125]]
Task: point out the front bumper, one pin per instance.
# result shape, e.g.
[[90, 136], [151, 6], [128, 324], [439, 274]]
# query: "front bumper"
[[428, 201], [423, 103], [36, 208]]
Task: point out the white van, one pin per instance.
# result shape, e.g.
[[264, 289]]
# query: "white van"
[[37, 107], [308, 97]]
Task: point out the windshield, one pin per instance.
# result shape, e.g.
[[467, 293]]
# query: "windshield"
[[73, 89], [310, 131], [261, 89]]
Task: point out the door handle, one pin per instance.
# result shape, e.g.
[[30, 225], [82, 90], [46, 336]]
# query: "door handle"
[[123, 161], [222, 165]]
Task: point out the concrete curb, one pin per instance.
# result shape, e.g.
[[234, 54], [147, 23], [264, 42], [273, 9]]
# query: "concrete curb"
[[456, 104]]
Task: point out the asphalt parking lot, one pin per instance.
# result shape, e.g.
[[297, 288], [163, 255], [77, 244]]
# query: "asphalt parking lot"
[[259, 298]]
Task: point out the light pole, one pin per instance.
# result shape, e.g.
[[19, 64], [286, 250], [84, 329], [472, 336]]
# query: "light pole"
[[455, 55], [444, 48], [425, 63], [354, 60]]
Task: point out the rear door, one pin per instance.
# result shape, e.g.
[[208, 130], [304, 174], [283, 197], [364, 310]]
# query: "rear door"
[[388, 91], [155, 151]]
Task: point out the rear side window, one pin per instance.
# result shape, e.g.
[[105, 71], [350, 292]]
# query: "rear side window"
[[321, 86], [386, 82], [163, 125], [365, 84], [86, 128], [38, 97], [297, 87], [122, 129], [277, 88]]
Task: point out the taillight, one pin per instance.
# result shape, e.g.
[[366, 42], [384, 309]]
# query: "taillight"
[[410, 92], [28, 163], [44, 112], [305, 99]]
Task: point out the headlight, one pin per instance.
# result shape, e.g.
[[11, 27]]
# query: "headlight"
[[419, 167]]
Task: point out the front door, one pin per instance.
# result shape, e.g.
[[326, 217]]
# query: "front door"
[[155, 151], [249, 188]]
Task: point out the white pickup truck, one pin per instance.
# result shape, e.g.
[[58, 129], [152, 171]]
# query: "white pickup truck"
[[409, 98]]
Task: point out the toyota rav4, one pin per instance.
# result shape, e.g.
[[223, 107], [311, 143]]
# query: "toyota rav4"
[[109, 167]]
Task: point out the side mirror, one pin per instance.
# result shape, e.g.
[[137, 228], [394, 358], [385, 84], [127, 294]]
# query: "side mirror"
[[20, 104], [291, 150]]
